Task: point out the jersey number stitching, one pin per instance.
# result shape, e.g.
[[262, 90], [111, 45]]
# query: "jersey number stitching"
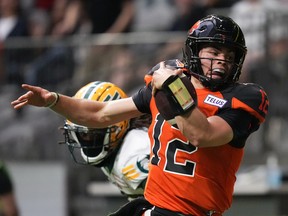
[[174, 147], [264, 104]]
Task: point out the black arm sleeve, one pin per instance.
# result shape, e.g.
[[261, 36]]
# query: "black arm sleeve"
[[142, 99], [242, 124]]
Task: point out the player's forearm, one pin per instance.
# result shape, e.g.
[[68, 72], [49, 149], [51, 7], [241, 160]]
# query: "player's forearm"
[[194, 126], [202, 131], [80, 111], [95, 114], [84, 112]]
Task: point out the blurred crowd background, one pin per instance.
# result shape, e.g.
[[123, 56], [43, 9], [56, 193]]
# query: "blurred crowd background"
[[64, 44]]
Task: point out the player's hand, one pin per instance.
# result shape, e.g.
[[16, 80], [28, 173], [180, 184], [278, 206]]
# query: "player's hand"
[[162, 74], [36, 96]]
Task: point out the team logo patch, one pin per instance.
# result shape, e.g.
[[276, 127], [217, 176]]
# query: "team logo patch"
[[215, 101]]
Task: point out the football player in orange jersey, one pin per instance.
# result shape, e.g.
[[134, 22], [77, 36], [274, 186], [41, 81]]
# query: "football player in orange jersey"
[[201, 119]]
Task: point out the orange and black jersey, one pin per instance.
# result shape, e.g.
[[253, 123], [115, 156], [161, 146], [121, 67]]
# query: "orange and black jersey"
[[182, 176], [243, 105]]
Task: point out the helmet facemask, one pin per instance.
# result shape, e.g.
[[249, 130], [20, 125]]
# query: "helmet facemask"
[[91, 146]]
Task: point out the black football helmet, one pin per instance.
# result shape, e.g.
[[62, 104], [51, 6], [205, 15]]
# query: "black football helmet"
[[90, 145], [214, 30]]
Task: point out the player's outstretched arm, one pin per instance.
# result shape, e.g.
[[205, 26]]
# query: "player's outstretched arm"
[[88, 113]]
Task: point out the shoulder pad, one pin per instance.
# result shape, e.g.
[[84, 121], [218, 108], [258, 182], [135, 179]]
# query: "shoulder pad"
[[174, 63], [252, 98]]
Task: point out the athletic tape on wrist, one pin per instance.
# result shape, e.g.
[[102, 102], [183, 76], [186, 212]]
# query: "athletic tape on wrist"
[[178, 95], [56, 95]]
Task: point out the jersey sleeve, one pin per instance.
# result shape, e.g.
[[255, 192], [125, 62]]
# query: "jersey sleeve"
[[253, 99], [245, 112], [134, 157], [242, 124], [142, 99]]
